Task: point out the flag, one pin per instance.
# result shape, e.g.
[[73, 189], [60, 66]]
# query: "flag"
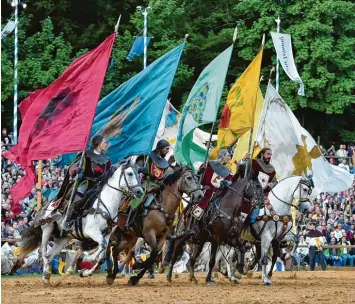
[[283, 47], [243, 143], [57, 120], [201, 108], [295, 152], [10, 26], [137, 47], [169, 127], [238, 112], [129, 116]]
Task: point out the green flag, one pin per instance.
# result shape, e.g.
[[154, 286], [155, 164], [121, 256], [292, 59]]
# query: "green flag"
[[201, 108]]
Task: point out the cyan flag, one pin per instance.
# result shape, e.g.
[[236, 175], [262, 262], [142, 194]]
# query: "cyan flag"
[[129, 117], [137, 48]]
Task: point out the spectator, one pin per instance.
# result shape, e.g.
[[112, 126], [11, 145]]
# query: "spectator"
[[5, 138], [350, 233], [315, 242], [351, 169], [324, 151], [344, 165], [334, 254], [344, 252], [342, 153], [338, 233]]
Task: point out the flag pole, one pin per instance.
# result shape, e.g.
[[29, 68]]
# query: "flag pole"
[[39, 185], [252, 129], [278, 21], [76, 179], [235, 34]]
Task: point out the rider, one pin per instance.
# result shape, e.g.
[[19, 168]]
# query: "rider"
[[155, 168], [216, 175], [262, 173], [95, 164]]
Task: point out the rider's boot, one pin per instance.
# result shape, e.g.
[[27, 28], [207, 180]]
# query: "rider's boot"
[[70, 220]]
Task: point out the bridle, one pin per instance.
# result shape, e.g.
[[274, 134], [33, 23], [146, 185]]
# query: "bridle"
[[126, 192], [189, 194], [301, 200]]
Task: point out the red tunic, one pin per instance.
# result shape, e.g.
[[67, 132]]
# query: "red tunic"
[[207, 181]]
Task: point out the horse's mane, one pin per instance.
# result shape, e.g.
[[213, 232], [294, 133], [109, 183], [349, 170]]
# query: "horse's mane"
[[172, 178], [106, 176]]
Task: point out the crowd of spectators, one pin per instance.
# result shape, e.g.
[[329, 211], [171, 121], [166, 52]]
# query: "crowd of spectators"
[[53, 174], [344, 157]]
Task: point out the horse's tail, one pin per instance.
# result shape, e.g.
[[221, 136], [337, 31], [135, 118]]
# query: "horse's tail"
[[30, 240]]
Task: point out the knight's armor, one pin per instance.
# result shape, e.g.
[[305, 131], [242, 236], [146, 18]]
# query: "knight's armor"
[[93, 167]]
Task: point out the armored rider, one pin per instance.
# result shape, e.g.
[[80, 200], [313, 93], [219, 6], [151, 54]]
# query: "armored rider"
[[155, 168], [95, 164], [262, 173], [216, 176]]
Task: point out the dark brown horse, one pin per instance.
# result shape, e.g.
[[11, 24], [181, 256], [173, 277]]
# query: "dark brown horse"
[[221, 225], [156, 225]]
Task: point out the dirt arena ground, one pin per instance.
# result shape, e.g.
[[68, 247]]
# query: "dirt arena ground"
[[288, 287]]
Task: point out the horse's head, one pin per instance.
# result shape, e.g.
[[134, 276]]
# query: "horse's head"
[[302, 194], [186, 182], [190, 185], [129, 181]]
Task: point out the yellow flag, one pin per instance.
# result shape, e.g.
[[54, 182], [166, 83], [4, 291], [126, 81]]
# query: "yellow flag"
[[238, 112], [243, 142]]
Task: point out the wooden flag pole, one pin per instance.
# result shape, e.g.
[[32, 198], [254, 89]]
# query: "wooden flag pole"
[[39, 185]]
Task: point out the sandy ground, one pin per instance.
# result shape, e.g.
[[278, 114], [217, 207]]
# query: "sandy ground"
[[288, 287]]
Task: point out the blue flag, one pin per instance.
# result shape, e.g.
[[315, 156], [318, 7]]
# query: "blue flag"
[[137, 48], [129, 116]]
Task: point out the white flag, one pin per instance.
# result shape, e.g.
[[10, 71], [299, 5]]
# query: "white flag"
[[283, 47], [295, 152], [10, 26], [169, 127]]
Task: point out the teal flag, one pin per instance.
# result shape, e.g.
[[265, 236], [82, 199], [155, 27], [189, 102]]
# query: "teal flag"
[[201, 108], [129, 116]]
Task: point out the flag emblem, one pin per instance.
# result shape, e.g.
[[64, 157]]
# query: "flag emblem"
[[199, 103]]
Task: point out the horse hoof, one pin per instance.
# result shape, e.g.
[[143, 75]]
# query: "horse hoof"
[[161, 270], [234, 281], [193, 280], [45, 282], [133, 281], [151, 276], [210, 283], [168, 278], [109, 281], [238, 275], [267, 283], [121, 275]]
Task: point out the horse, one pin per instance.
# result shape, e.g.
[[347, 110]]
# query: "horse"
[[222, 227], [96, 224], [274, 221], [157, 223]]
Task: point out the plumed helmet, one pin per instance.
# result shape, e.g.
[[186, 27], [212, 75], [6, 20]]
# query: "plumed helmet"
[[162, 144], [96, 140]]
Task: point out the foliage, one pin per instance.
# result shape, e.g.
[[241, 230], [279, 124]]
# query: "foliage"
[[54, 33]]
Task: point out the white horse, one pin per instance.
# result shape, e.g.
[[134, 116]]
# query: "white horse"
[[97, 225], [275, 220]]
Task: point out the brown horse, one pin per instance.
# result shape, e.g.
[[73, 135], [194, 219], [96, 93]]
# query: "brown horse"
[[156, 225], [222, 226]]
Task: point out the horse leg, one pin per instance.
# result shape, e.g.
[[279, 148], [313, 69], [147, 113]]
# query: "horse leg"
[[257, 257], [47, 270], [70, 269], [163, 255], [265, 246], [196, 251], [178, 249], [275, 253], [214, 247]]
